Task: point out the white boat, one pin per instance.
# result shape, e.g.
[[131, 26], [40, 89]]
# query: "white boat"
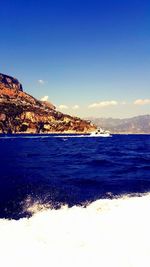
[[100, 133]]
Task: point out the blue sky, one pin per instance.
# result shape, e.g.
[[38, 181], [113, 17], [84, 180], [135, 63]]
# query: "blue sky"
[[90, 57]]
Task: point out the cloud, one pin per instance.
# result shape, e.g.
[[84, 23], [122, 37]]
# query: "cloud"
[[142, 101], [44, 98], [63, 107], [123, 102], [103, 104], [41, 82], [75, 107]]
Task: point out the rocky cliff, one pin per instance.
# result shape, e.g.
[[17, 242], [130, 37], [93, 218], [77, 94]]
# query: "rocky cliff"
[[22, 113], [10, 82]]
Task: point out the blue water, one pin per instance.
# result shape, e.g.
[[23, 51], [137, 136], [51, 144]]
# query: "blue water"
[[67, 170]]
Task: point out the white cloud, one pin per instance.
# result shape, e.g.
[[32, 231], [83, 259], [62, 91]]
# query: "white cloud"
[[44, 98], [41, 81], [142, 101], [75, 107], [103, 104], [63, 107]]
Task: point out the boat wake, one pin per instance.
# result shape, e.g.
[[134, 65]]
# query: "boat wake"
[[105, 233], [51, 136]]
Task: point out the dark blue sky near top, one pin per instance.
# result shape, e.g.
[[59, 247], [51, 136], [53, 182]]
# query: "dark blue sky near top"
[[85, 52]]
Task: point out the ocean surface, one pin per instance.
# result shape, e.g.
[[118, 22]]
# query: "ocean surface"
[[75, 201]]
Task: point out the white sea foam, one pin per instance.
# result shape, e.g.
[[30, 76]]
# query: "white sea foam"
[[106, 233]]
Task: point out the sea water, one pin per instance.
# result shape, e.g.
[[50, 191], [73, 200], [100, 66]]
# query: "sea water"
[[75, 201]]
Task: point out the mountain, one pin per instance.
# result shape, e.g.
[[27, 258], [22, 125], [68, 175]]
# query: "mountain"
[[138, 124], [22, 113]]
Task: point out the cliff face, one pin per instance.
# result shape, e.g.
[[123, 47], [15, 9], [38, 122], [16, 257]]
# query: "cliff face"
[[22, 113], [10, 82]]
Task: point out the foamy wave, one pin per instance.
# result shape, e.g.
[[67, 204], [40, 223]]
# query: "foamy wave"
[[105, 233]]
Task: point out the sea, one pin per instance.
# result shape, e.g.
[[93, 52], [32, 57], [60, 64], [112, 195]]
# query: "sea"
[[74, 201]]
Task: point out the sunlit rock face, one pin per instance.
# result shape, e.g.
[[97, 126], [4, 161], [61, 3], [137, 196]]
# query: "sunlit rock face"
[[22, 113], [10, 82]]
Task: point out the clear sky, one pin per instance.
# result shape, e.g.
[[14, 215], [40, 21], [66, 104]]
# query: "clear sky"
[[90, 57]]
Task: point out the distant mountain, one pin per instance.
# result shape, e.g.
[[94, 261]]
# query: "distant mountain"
[[22, 113], [139, 124]]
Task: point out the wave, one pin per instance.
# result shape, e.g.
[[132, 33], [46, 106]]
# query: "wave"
[[49, 136], [41, 136], [104, 233]]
